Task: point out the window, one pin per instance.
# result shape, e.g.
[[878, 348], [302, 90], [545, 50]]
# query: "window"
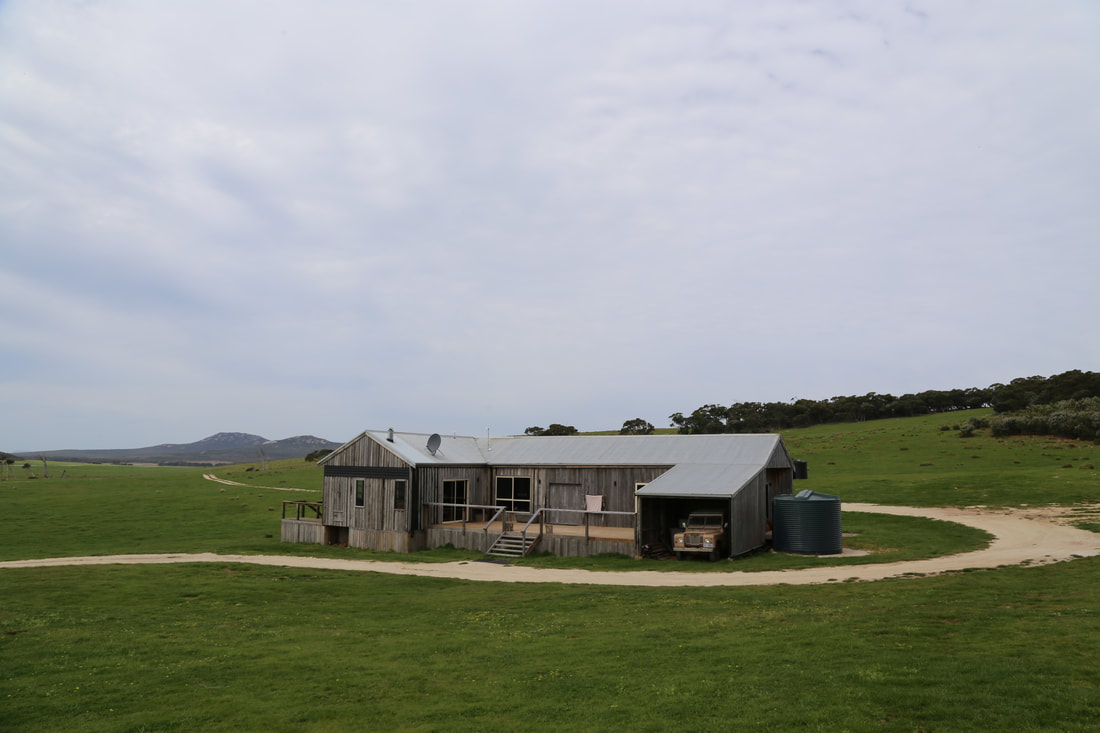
[[360, 491], [399, 494], [514, 493], [454, 492]]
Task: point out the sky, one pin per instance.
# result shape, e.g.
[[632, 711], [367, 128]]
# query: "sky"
[[477, 216]]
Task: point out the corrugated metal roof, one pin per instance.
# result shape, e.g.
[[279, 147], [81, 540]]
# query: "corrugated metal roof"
[[413, 447], [702, 465], [632, 450], [701, 480]]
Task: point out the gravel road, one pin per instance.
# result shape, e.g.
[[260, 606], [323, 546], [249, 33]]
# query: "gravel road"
[[1023, 537]]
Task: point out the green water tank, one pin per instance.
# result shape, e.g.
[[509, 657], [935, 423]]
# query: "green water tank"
[[807, 523]]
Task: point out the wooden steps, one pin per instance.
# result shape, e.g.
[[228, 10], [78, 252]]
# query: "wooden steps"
[[512, 544]]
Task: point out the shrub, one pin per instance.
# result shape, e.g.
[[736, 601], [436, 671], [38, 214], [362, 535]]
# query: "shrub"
[[317, 455]]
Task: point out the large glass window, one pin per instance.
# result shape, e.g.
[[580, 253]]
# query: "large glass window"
[[360, 491], [454, 492], [514, 493]]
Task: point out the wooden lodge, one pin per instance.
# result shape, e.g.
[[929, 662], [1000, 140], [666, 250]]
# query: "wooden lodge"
[[568, 495]]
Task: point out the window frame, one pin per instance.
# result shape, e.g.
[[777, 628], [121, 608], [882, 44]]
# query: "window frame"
[[454, 513], [509, 501], [360, 490], [400, 491]]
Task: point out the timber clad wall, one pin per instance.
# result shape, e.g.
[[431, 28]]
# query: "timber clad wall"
[[377, 512], [564, 487], [471, 539], [747, 512], [577, 546], [431, 480], [381, 541], [303, 530]]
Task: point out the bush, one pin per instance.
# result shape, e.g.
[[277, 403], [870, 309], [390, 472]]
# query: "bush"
[[1074, 419]]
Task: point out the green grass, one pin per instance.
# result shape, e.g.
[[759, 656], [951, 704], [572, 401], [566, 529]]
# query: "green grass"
[[105, 509], [236, 647], [912, 461], [231, 647]]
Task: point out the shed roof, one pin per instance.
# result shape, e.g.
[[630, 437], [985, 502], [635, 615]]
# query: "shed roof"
[[701, 480]]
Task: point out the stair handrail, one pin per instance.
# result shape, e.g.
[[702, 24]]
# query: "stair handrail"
[[499, 511], [523, 532]]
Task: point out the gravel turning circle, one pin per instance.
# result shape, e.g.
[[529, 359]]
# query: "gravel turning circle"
[[1022, 536]]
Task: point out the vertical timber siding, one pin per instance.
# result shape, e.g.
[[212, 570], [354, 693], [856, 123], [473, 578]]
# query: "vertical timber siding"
[[748, 516], [309, 531], [431, 478], [366, 452], [339, 490]]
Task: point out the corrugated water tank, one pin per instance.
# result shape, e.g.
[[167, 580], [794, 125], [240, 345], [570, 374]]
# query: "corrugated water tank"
[[807, 523]]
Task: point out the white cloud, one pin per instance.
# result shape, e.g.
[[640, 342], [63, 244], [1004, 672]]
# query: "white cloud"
[[454, 216]]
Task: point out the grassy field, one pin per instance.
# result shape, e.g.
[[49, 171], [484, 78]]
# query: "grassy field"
[[235, 647], [923, 461]]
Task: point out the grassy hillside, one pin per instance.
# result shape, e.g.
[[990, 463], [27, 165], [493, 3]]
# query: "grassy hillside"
[[105, 509], [923, 461]]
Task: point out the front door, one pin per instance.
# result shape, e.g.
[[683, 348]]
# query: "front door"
[[454, 492]]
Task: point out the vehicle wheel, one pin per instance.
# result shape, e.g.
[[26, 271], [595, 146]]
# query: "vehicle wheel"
[[679, 555], [713, 555]]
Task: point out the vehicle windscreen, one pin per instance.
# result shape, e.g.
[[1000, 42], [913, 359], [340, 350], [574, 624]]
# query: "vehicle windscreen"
[[705, 520]]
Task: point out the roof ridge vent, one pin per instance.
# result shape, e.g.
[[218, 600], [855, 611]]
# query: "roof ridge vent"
[[389, 436]]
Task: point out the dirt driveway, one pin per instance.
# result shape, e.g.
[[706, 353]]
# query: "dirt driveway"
[[1023, 536]]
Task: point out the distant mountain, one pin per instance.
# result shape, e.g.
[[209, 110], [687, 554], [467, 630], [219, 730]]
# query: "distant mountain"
[[218, 448]]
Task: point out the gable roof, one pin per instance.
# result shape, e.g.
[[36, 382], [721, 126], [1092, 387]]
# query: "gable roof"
[[700, 465]]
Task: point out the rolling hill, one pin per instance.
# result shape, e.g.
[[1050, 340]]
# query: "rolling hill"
[[215, 449]]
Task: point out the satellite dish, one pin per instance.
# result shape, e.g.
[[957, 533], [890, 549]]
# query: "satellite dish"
[[433, 443]]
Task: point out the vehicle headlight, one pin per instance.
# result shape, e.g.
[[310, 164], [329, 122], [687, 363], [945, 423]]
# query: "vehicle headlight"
[[708, 542]]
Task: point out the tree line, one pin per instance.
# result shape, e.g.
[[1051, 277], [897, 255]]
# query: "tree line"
[[759, 417]]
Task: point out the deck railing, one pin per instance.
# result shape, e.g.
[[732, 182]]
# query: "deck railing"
[[586, 518], [436, 514], [302, 508]]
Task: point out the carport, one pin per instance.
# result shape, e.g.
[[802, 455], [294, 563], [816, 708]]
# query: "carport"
[[741, 492]]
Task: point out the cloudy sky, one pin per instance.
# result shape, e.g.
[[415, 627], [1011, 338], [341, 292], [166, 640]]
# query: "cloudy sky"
[[295, 218]]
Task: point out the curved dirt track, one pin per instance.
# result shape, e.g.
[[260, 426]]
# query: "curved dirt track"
[[1030, 537]]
